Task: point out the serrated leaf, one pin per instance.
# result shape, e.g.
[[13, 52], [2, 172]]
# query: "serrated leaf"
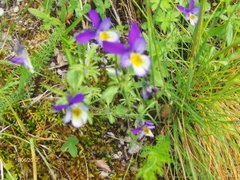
[[156, 158], [109, 94]]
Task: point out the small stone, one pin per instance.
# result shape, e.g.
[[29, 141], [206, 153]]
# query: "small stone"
[[16, 9], [52, 64], [1, 12], [60, 72], [104, 174], [136, 147], [115, 156]]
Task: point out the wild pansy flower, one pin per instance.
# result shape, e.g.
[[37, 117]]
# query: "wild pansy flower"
[[148, 91], [100, 30], [133, 54], [144, 130], [191, 12], [75, 110], [22, 57]]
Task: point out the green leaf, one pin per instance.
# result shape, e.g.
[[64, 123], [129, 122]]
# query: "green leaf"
[[45, 17], [156, 158], [229, 33], [38, 14], [80, 12], [102, 5], [111, 118], [154, 4], [120, 110], [109, 94], [47, 4], [75, 78], [70, 146]]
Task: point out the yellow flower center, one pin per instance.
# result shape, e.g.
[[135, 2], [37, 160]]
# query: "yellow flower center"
[[104, 35], [191, 16], [77, 112], [146, 130], [136, 59]]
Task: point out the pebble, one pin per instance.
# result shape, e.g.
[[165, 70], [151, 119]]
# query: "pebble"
[[136, 147], [16, 9], [104, 174], [1, 12]]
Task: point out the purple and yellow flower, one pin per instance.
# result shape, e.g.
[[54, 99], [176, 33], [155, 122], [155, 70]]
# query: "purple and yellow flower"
[[191, 12], [133, 54], [144, 130], [76, 111], [148, 91], [22, 57], [100, 30]]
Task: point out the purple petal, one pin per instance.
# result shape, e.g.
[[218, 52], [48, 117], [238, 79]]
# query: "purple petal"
[[60, 107], [114, 48], [146, 94], [147, 123], [154, 89], [133, 34], [136, 130], [139, 45], [105, 24], [191, 4], [147, 91], [94, 17], [151, 127], [76, 99], [195, 10], [182, 9], [18, 60], [85, 36], [124, 60]]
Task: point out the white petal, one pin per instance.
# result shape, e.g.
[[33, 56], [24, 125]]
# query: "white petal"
[[142, 70], [139, 71], [110, 36], [194, 20], [114, 36], [68, 115], [78, 121], [146, 62]]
